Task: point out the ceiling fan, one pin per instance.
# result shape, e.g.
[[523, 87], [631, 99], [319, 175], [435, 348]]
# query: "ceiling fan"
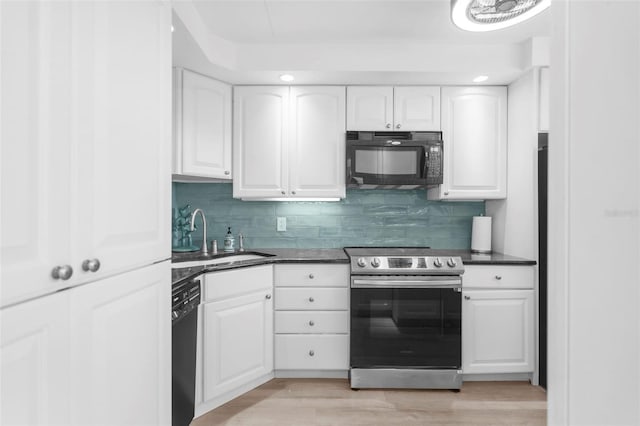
[[488, 15]]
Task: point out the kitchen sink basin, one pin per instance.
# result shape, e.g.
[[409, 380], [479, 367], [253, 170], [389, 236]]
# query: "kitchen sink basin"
[[198, 259]]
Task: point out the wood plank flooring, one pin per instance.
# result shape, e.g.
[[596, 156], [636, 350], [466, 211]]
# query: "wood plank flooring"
[[330, 402]]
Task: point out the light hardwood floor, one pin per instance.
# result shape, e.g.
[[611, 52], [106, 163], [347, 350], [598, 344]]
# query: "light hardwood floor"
[[316, 402]]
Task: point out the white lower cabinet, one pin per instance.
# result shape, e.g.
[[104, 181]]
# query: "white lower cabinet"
[[498, 323], [311, 320], [95, 354], [235, 346]]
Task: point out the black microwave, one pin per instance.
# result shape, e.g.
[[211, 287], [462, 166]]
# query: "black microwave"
[[394, 159]]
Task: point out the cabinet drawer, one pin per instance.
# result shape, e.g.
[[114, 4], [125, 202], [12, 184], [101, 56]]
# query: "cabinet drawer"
[[289, 322], [312, 352], [312, 274], [497, 276], [235, 282], [312, 298]]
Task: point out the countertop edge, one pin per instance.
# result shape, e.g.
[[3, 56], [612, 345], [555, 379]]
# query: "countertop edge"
[[337, 256]]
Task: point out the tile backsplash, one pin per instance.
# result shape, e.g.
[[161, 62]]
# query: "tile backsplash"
[[380, 217]]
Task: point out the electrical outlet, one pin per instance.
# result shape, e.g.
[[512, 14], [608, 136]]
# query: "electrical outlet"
[[281, 224]]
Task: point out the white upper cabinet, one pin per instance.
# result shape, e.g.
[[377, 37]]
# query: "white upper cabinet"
[[410, 108], [288, 142], [543, 100], [86, 110], [260, 124], [317, 142], [474, 131], [202, 127]]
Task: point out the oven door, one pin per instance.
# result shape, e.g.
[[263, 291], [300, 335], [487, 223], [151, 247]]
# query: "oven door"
[[406, 322]]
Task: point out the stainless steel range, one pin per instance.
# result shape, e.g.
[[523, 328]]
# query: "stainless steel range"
[[406, 309]]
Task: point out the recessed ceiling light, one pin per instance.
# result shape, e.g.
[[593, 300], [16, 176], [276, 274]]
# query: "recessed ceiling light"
[[172, 29], [488, 15], [480, 79], [287, 77]]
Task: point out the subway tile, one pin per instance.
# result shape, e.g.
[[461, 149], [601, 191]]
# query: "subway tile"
[[365, 217]]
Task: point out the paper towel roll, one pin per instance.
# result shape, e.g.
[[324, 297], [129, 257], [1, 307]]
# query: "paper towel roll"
[[481, 234]]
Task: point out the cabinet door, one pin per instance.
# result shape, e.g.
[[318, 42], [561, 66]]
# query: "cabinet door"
[[260, 130], [416, 108], [121, 349], [474, 130], [202, 126], [238, 342], [121, 129], [34, 154], [497, 331], [34, 362], [369, 108], [317, 142]]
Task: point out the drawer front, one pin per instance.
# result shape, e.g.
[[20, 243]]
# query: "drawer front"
[[312, 298], [291, 322], [312, 352], [312, 275], [236, 282], [497, 276]]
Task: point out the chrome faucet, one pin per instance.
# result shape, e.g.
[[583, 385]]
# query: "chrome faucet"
[[204, 249]]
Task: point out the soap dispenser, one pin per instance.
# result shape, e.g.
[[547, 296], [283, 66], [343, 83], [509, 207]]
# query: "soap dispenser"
[[229, 241]]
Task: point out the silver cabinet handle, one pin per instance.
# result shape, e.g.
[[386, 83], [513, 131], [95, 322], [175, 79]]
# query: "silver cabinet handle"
[[62, 272], [91, 265], [397, 126], [293, 192], [311, 276], [388, 126], [268, 296], [467, 298], [311, 323], [283, 193], [227, 172], [311, 299], [446, 192], [498, 277], [311, 352]]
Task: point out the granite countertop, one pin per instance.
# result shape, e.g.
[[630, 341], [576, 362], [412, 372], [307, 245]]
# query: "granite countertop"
[[335, 255]]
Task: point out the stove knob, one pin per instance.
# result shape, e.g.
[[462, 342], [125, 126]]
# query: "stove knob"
[[437, 262], [451, 262], [362, 262], [375, 262]]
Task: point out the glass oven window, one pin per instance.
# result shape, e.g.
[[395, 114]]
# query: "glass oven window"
[[388, 161], [409, 328]]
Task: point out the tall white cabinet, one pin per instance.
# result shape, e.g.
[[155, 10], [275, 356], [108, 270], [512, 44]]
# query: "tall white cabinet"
[[289, 142], [202, 127], [85, 151], [474, 131], [85, 128]]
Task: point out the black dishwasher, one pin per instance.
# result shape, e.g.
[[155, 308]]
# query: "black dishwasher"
[[185, 298]]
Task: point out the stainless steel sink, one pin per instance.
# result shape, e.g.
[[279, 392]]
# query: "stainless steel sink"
[[197, 259]]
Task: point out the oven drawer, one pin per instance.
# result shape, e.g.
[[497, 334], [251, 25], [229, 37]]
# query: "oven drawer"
[[312, 352], [312, 298], [291, 322], [497, 276], [311, 274]]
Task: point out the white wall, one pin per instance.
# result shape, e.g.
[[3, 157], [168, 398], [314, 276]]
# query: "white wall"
[[515, 219], [594, 214]]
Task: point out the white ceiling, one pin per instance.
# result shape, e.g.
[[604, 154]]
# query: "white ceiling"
[[346, 42]]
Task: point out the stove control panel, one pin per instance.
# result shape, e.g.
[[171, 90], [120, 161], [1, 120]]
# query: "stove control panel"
[[400, 265]]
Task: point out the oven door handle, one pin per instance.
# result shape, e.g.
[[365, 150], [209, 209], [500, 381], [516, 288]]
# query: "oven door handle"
[[423, 283]]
